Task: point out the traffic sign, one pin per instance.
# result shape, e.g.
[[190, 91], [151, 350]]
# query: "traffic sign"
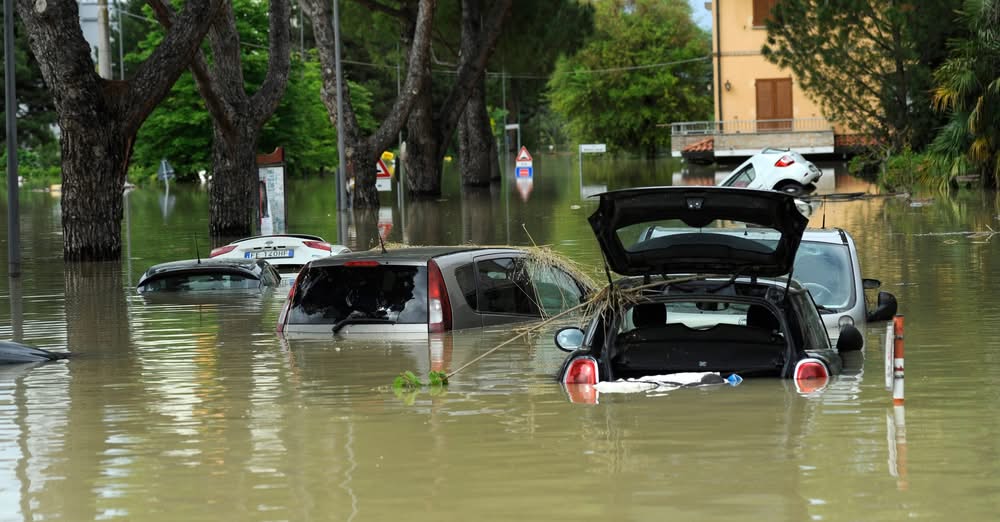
[[383, 178], [523, 156], [165, 171], [524, 172], [586, 148]]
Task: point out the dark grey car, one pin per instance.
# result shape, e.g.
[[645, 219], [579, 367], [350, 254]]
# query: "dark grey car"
[[419, 290], [208, 275]]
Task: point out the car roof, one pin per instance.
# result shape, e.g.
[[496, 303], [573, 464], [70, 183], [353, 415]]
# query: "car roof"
[[296, 236], [419, 254], [246, 265]]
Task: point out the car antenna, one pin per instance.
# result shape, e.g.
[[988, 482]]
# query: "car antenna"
[[824, 214], [197, 253], [380, 243]]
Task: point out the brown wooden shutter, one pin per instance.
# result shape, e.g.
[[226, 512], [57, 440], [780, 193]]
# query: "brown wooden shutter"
[[762, 11], [774, 102]]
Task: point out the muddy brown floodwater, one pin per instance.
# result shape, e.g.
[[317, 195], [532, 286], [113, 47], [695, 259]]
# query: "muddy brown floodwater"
[[196, 410]]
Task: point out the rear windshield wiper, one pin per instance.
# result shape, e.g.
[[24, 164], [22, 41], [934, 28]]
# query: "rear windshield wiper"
[[823, 309], [359, 320]]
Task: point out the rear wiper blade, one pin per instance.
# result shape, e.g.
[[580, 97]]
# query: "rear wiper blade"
[[822, 309], [359, 320]]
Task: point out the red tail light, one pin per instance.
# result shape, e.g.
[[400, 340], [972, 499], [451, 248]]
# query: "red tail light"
[[221, 250], [362, 264], [582, 370], [319, 245], [785, 161], [283, 316], [811, 369], [438, 306]]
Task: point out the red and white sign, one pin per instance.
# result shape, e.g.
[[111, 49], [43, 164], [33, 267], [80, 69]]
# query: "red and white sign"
[[383, 178], [523, 157], [384, 221]]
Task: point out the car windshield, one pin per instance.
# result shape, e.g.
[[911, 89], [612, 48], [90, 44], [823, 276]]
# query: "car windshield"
[[717, 234], [199, 282], [333, 294]]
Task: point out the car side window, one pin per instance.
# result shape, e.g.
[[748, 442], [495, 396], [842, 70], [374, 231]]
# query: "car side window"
[[466, 276], [743, 178], [504, 287], [557, 290]]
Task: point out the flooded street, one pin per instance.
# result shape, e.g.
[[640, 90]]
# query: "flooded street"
[[191, 409]]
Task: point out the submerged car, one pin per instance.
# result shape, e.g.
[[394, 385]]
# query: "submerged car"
[[421, 290], [827, 265], [775, 169], [705, 300], [288, 251], [204, 275]]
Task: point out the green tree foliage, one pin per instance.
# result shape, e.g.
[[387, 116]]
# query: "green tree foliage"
[[967, 88], [868, 63], [180, 129], [646, 64], [36, 114]]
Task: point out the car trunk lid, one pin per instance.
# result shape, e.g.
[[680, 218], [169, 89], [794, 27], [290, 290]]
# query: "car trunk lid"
[[623, 215]]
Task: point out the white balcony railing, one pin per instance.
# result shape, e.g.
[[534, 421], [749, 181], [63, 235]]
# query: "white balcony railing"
[[709, 128]]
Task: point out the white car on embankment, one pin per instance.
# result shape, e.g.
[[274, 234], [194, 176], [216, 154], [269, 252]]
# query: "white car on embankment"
[[775, 169]]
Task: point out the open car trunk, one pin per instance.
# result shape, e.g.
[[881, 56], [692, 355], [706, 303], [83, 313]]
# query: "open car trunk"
[[700, 337]]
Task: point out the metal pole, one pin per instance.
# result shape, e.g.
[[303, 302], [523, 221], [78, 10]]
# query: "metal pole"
[[10, 105], [341, 159], [121, 42], [103, 41]]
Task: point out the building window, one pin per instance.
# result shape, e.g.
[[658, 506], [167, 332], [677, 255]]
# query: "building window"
[[774, 104], [762, 11]]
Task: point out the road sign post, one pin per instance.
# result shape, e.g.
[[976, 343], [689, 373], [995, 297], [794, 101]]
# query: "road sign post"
[[589, 148]]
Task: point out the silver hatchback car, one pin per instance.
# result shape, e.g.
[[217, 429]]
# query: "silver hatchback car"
[[827, 265]]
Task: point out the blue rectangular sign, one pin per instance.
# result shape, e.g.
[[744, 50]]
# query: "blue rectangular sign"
[[523, 172]]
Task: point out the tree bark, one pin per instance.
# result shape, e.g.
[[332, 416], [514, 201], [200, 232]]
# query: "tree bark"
[[424, 174], [236, 116], [100, 118], [477, 150], [362, 152]]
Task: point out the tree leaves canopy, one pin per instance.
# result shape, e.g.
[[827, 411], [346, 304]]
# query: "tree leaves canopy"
[[646, 64]]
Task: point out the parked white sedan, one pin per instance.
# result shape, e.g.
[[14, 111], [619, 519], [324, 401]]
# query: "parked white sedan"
[[775, 169], [285, 252]]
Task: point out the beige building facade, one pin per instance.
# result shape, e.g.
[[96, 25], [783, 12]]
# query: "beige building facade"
[[757, 104]]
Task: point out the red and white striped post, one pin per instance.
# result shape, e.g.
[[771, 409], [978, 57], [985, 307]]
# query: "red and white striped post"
[[897, 361]]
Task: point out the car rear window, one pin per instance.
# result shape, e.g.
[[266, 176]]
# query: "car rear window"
[[199, 282], [331, 294]]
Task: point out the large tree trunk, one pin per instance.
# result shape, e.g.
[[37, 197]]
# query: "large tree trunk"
[[234, 182], [424, 154], [100, 118], [94, 160], [479, 36], [237, 117], [361, 152], [476, 147]]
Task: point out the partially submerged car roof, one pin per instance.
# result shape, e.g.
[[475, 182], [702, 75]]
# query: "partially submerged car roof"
[[698, 251], [407, 254], [251, 267]]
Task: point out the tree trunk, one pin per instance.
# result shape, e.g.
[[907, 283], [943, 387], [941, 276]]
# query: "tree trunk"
[[100, 118], [94, 160], [423, 150], [477, 148], [234, 178], [361, 160]]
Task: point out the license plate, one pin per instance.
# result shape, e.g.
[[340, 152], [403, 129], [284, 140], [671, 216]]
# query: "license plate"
[[269, 254]]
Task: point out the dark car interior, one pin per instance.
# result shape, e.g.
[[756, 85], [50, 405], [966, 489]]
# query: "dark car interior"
[[656, 346]]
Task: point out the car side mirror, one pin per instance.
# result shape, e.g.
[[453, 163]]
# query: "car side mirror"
[[569, 339], [850, 339], [885, 308], [871, 284]]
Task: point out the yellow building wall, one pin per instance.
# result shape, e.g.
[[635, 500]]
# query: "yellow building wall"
[[743, 63]]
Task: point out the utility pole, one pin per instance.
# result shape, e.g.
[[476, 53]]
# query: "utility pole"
[[10, 105], [121, 41], [103, 40]]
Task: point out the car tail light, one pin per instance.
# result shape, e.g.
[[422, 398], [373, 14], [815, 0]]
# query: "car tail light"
[[283, 316], [319, 245], [438, 306], [221, 250], [811, 369], [362, 264], [582, 370], [785, 161]]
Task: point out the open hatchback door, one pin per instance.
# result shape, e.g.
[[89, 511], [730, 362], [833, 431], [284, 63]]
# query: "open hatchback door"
[[704, 224]]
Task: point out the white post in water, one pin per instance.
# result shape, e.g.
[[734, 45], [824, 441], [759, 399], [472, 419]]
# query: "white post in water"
[[10, 104]]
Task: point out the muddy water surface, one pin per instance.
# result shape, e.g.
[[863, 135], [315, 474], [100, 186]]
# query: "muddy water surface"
[[196, 410]]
